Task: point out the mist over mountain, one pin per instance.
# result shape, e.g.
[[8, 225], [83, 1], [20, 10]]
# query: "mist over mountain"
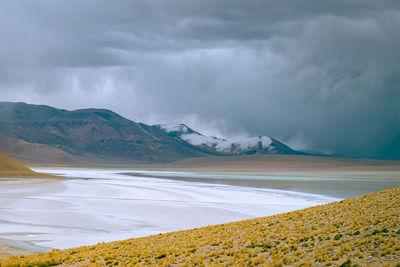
[[249, 145]]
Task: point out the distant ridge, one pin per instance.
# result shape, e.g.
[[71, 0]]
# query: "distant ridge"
[[42, 133], [243, 146], [94, 135]]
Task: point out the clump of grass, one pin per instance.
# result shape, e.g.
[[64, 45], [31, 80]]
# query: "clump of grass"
[[338, 236], [375, 232]]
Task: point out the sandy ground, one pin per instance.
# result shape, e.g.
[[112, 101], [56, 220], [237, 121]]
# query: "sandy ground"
[[7, 251], [14, 248], [290, 165], [286, 165]]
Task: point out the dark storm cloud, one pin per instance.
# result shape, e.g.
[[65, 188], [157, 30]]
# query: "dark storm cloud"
[[321, 75]]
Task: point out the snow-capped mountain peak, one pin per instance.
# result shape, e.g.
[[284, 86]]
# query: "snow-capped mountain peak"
[[246, 145]]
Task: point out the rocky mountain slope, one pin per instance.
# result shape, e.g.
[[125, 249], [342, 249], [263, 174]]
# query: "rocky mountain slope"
[[92, 134], [35, 153], [45, 133]]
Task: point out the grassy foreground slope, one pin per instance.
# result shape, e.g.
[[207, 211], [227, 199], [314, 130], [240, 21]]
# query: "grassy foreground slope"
[[12, 168], [359, 231]]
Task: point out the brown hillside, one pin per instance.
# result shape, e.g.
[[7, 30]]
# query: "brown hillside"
[[34, 153]]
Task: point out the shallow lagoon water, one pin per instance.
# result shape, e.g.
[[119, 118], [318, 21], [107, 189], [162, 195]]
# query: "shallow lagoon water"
[[101, 205], [227, 176], [338, 187]]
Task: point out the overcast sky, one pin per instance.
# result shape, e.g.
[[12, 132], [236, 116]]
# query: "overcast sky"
[[320, 75]]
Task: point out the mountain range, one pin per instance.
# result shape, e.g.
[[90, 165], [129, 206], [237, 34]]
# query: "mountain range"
[[249, 145], [47, 134]]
